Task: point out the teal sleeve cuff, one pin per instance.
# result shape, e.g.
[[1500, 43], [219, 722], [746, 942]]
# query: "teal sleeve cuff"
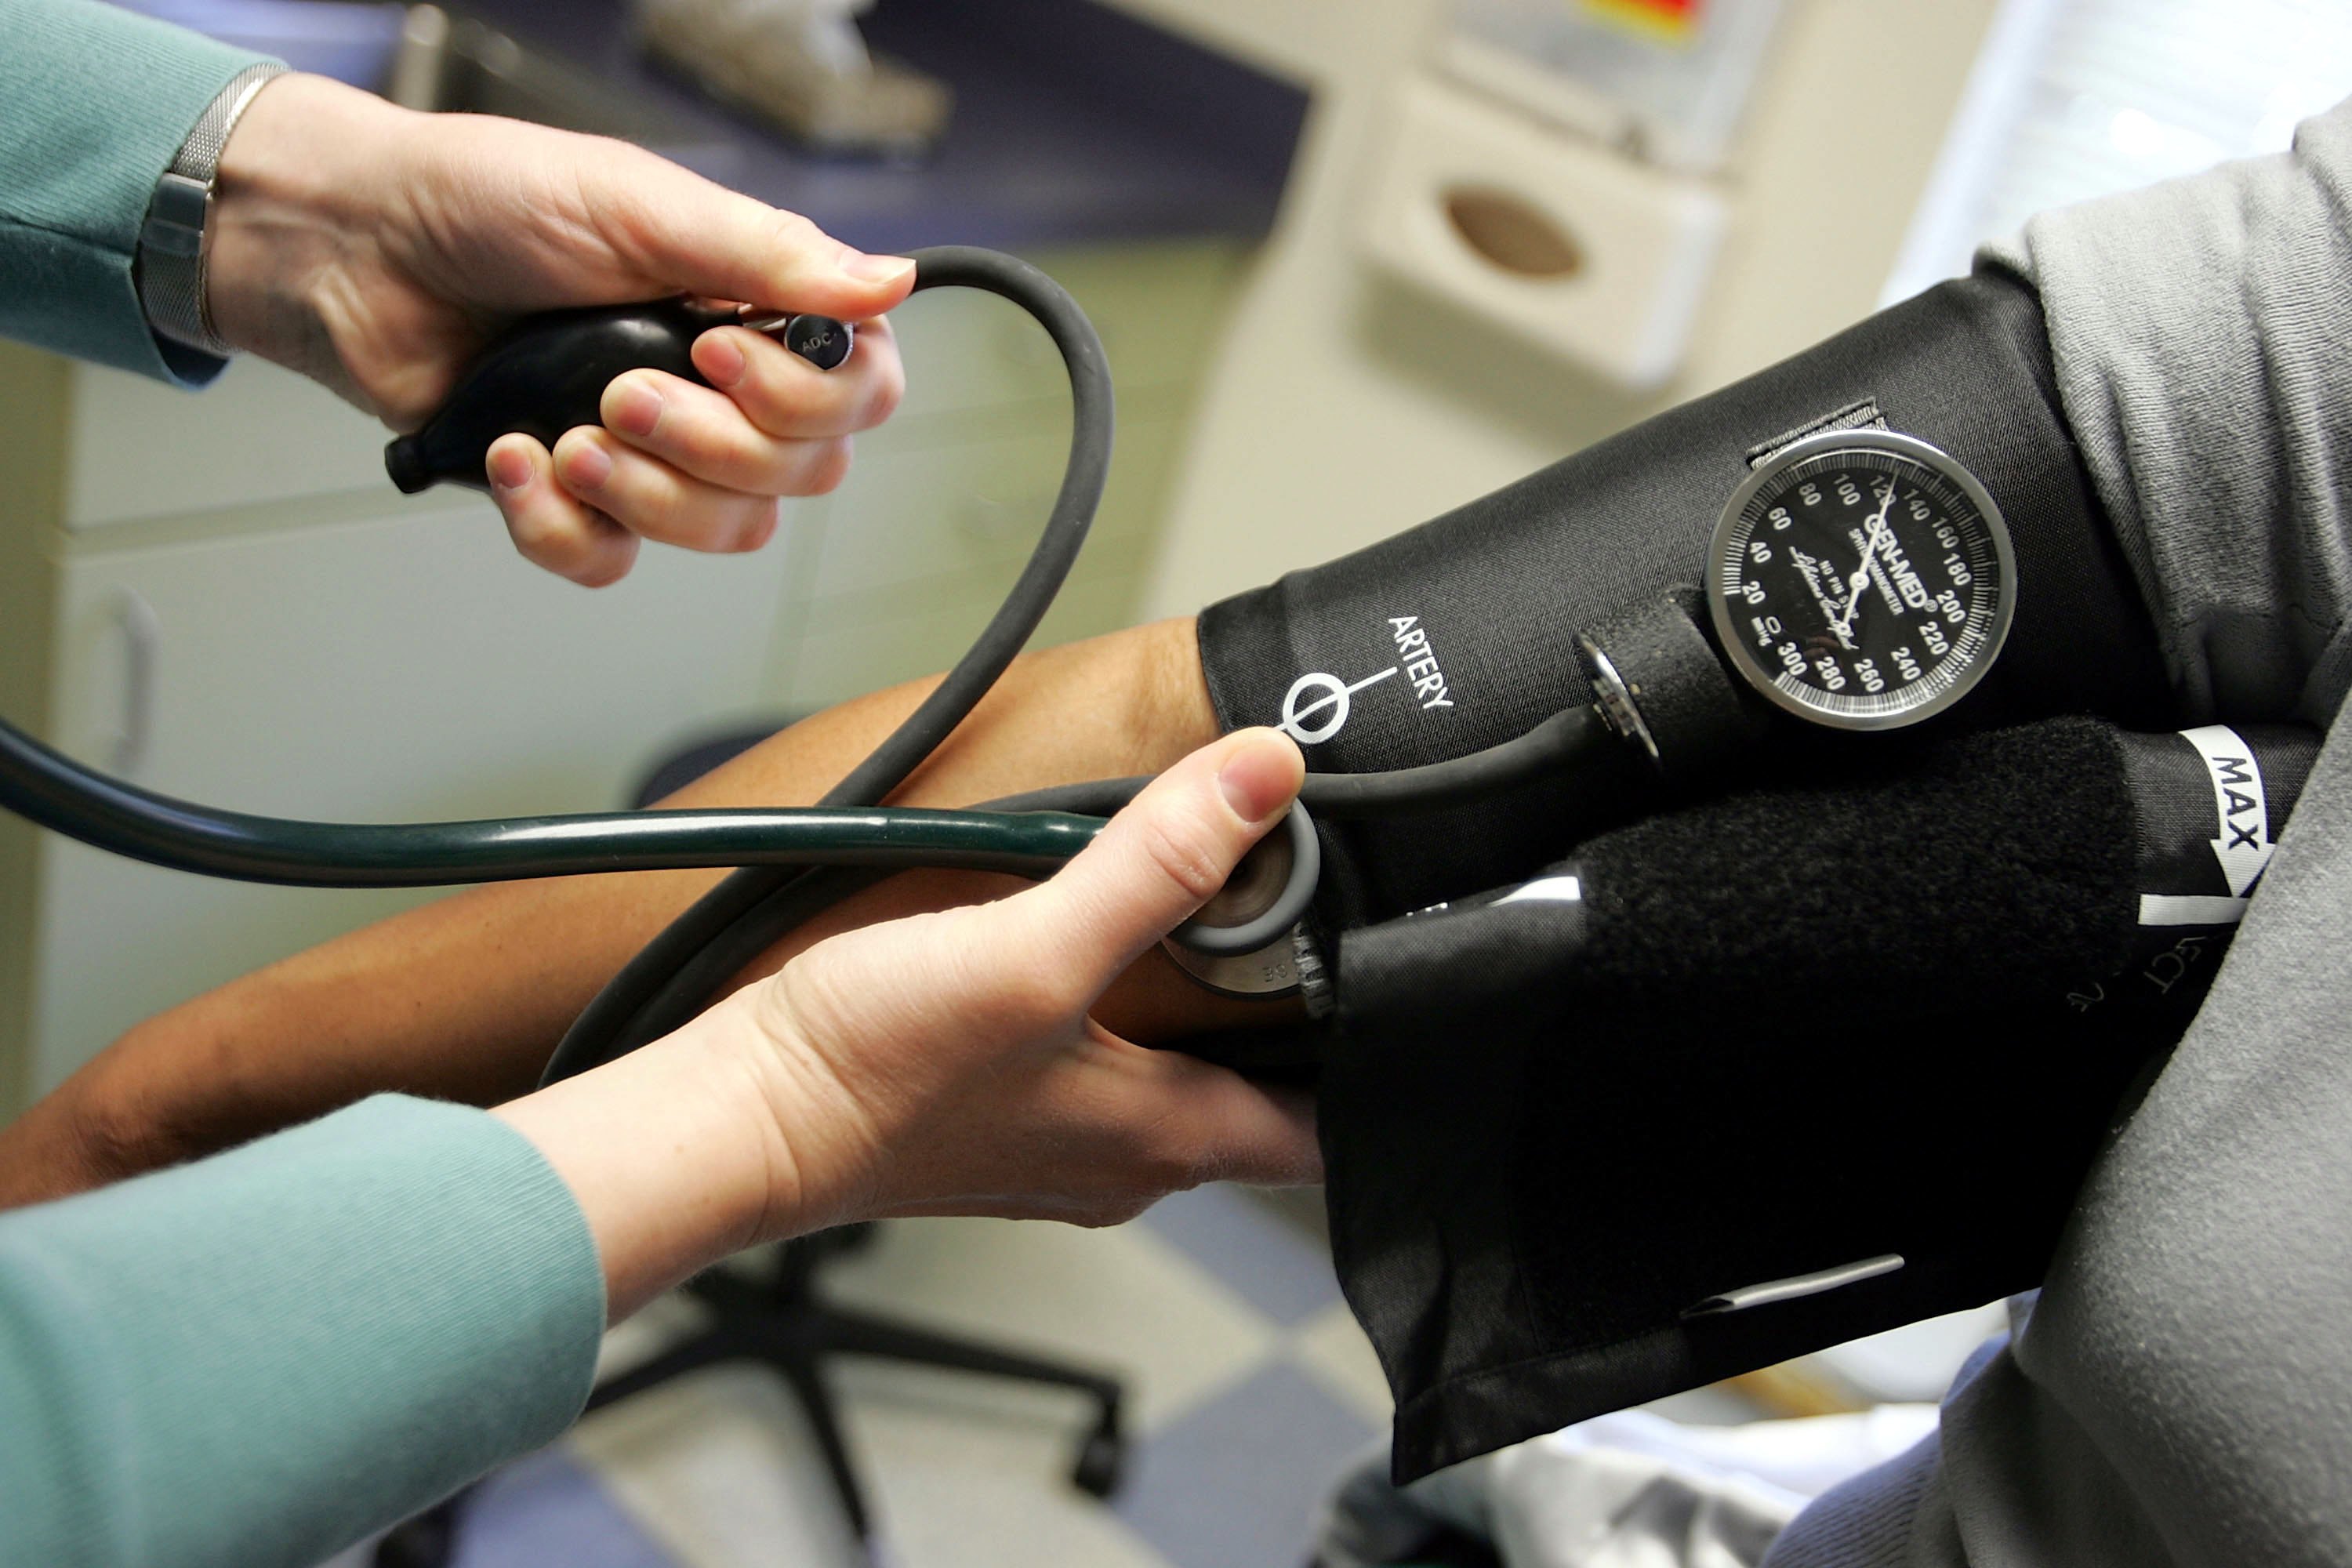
[[98, 101], [261, 1357]]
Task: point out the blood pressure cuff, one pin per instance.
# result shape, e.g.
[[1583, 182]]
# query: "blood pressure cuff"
[[1461, 634], [1452, 1137]]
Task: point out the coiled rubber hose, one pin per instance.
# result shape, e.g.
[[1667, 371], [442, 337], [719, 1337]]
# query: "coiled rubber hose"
[[53, 790], [600, 1032]]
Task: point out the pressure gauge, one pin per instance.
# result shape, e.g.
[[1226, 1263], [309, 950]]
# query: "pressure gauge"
[[1861, 579]]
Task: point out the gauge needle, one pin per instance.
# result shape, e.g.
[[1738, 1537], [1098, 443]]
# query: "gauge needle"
[[1861, 580]]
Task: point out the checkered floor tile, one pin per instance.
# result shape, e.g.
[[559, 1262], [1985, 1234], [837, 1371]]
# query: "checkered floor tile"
[[1248, 1389]]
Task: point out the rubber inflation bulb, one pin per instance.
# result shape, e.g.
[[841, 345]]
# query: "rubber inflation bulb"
[[547, 374]]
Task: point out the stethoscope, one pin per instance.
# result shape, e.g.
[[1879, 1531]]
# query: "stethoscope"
[[547, 374]]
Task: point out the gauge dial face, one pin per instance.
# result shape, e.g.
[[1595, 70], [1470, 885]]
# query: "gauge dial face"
[[1861, 579]]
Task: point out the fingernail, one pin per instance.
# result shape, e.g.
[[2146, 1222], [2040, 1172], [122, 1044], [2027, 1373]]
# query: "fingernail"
[[637, 408], [587, 466], [1259, 778], [717, 356], [510, 468], [875, 268]]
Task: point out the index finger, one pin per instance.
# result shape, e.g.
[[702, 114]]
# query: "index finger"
[[703, 239]]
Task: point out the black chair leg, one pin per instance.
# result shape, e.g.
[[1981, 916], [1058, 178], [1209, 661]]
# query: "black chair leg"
[[427, 1541], [825, 1425], [784, 1324], [706, 1348], [862, 1333], [1102, 1454]]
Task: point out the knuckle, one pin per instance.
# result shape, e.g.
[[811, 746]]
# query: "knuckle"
[[666, 514], [1106, 1212], [790, 231], [729, 455], [791, 469], [544, 537], [1181, 1166], [600, 571], [758, 526], [533, 532], [599, 562], [1035, 996], [828, 466], [1181, 852], [704, 443], [774, 397], [882, 400], [1164, 1154]]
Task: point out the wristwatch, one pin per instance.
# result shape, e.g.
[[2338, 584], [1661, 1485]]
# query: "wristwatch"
[[174, 238]]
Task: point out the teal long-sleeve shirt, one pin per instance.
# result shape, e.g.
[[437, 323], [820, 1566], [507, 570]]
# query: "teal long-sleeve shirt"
[[258, 1358], [95, 102]]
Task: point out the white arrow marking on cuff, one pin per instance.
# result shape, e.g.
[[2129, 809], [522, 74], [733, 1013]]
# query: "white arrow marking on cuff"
[[2244, 845], [2190, 910]]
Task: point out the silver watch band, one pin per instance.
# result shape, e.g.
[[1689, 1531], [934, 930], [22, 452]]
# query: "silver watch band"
[[173, 253]]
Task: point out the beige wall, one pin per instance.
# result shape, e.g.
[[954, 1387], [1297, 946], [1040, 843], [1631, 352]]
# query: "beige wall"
[[1342, 410]]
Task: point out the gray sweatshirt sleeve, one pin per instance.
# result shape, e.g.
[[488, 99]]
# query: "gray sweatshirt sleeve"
[[2197, 329], [2182, 1392]]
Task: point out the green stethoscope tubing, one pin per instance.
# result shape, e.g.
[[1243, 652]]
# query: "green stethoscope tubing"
[[57, 792], [60, 793]]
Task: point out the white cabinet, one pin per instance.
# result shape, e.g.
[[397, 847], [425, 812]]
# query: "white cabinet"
[[406, 668], [137, 449]]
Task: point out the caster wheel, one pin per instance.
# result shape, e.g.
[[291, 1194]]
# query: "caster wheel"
[[428, 1540], [1101, 1458]]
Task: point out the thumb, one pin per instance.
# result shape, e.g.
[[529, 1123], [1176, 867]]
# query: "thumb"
[[1160, 859], [700, 238]]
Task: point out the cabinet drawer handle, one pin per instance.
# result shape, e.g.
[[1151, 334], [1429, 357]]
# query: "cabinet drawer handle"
[[142, 636]]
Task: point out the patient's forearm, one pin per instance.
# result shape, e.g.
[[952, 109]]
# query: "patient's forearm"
[[465, 998]]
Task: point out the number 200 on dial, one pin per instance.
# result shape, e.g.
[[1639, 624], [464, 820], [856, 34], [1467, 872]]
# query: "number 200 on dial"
[[1861, 579]]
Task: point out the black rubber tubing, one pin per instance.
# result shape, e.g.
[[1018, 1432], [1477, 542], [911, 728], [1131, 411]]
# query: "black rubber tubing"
[[595, 1034], [59, 793], [53, 790]]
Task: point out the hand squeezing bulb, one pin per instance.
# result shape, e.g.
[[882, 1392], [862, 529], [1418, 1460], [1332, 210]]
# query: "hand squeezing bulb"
[[547, 374]]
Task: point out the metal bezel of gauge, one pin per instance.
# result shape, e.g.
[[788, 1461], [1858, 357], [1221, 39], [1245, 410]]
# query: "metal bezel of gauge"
[[1727, 567]]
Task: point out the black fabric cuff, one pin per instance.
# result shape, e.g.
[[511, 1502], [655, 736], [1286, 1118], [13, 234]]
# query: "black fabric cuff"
[[1527, 1196]]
